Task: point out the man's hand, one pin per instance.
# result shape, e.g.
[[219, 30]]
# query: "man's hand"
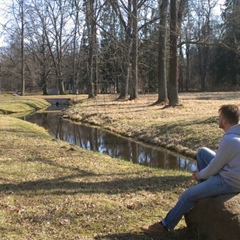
[[195, 176]]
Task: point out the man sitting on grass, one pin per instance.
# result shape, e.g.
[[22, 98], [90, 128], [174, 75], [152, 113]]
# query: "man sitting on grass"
[[218, 173]]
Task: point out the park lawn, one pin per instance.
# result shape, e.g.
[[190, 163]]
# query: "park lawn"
[[53, 190], [50, 189]]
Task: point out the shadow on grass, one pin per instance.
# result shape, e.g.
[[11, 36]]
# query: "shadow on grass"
[[179, 234], [71, 185], [169, 127], [124, 236]]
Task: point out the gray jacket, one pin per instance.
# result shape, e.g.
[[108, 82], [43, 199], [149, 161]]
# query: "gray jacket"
[[227, 159]]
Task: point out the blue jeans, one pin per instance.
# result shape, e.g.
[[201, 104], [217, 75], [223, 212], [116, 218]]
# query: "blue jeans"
[[210, 187]]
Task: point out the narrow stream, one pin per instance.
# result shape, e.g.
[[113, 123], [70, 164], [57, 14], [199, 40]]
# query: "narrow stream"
[[97, 139]]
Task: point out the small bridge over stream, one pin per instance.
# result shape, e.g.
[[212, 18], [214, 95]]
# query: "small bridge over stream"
[[57, 103]]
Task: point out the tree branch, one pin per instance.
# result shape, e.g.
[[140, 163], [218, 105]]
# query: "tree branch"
[[235, 50]]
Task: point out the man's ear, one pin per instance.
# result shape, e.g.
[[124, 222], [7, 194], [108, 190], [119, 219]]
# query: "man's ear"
[[225, 122]]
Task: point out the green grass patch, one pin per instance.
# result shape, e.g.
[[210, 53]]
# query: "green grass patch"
[[17, 104]]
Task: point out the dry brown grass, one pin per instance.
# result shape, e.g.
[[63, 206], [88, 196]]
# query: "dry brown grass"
[[183, 129], [52, 190]]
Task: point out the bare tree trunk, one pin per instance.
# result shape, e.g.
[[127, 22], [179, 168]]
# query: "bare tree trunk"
[[181, 69], [173, 64], [54, 35], [134, 82], [92, 58], [203, 60], [126, 69], [187, 67], [204, 51], [22, 50], [60, 51], [74, 60], [95, 58], [162, 49], [44, 72], [127, 50]]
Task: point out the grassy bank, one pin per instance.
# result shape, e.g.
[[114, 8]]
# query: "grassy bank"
[[183, 129], [53, 190], [10, 104]]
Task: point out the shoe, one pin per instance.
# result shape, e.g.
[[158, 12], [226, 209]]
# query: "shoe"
[[154, 229]]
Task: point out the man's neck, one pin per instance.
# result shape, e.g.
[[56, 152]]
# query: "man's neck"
[[228, 127]]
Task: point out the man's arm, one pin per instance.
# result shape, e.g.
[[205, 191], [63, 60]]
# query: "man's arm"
[[224, 154]]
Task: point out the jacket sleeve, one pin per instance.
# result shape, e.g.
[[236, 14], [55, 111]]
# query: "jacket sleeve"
[[224, 155]]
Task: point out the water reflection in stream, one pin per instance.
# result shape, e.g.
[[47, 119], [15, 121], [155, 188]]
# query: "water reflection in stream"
[[96, 139]]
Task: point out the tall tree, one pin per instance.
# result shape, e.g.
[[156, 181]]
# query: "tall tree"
[[134, 82], [162, 53], [173, 78], [177, 12], [55, 27], [74, 74], [92, 48], [204, 35], [110, 50], [128, 15], [39, 59], [127, 47], [19, 8], [21, 5]]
